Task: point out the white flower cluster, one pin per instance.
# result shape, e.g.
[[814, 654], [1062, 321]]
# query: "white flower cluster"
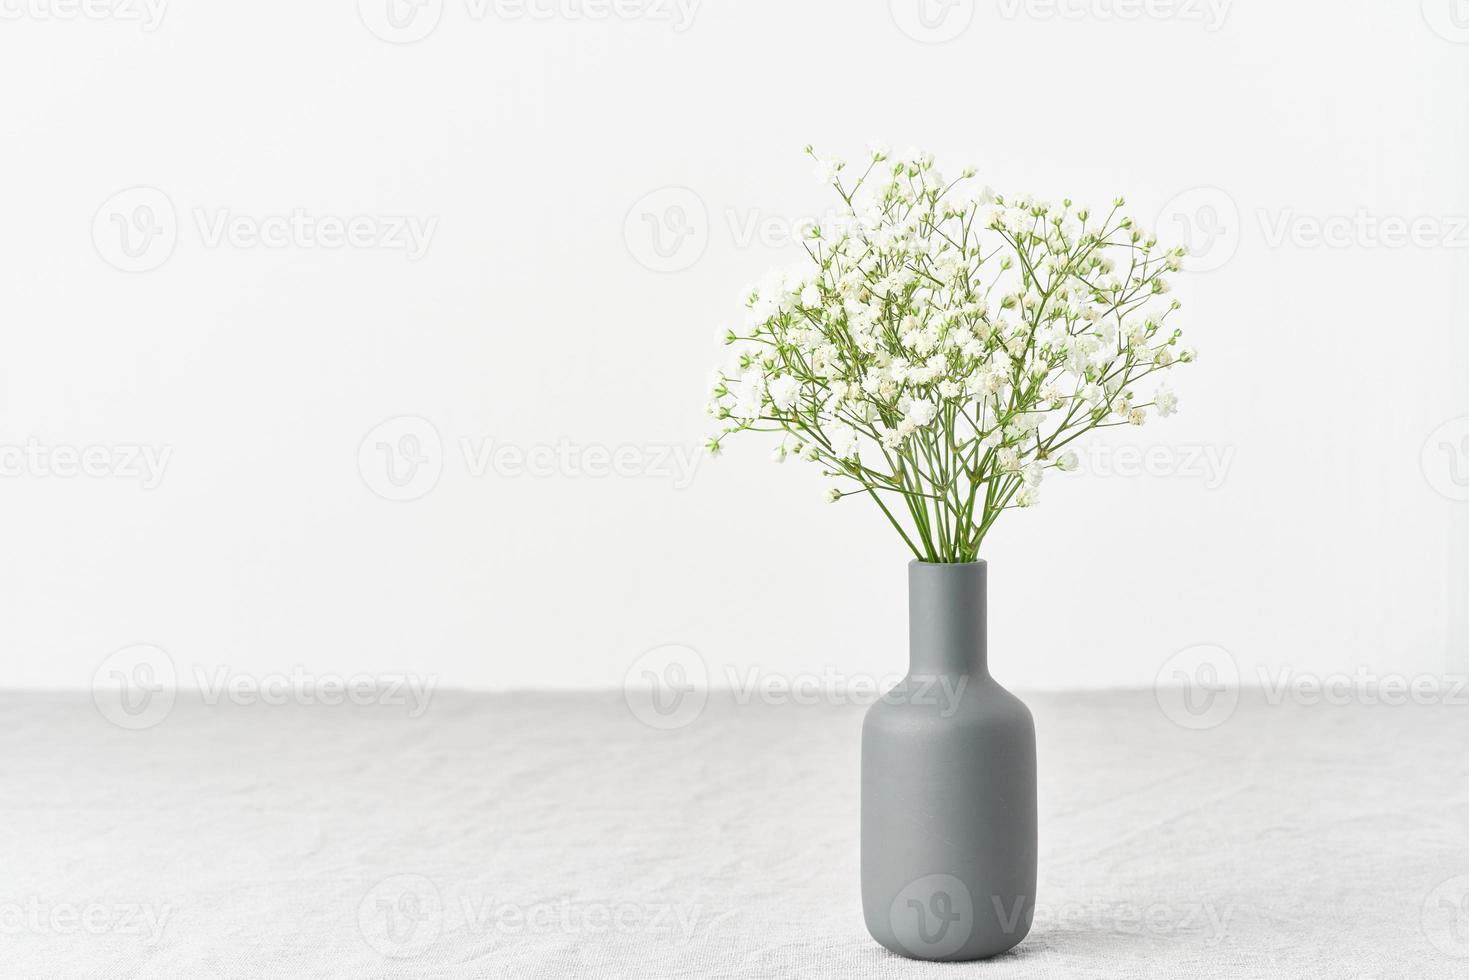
[[944, 345]]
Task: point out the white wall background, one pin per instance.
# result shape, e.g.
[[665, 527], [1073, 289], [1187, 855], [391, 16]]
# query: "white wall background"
[[532, 138]]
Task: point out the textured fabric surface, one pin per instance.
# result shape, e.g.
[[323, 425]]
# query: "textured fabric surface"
[[556, 836]]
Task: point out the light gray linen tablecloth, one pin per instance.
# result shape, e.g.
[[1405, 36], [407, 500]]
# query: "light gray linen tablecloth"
[[554, 835]]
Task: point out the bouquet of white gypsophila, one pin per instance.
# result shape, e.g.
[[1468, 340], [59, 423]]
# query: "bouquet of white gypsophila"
[[944, 345]]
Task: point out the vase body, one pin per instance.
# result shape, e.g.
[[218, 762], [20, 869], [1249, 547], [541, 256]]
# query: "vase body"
[[948, 786]]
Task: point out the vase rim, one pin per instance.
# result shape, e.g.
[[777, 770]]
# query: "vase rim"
[[946, 564]]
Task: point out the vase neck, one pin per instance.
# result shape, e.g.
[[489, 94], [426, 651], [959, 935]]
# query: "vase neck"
[[946, 618]]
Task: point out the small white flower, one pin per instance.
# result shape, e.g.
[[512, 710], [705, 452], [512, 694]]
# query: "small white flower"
[[1068, 462], [783, 391], [1025, 424], [915, 157], [1028, 497], [1166, 401], [920, 412], [843, 440], [827, 170], [833, 495], [747, 397]]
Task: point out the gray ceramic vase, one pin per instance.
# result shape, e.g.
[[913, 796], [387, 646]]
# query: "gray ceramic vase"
[[948, 786]]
